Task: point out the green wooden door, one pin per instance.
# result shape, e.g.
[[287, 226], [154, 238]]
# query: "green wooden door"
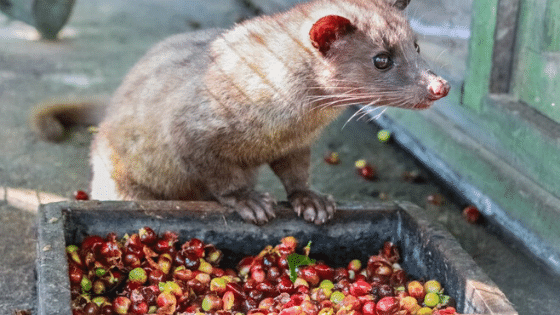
[[536, 79]]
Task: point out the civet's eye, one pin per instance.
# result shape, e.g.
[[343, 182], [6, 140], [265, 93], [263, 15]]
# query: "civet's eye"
[[417, 47], [382, 61]]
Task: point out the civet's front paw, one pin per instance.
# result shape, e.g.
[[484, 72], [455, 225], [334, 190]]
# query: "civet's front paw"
[[254, 207], [314, 207]]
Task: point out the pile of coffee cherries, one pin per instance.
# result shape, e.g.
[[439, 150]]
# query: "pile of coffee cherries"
[[144, 273]]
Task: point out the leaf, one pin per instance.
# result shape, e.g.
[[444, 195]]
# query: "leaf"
[[296, 260]]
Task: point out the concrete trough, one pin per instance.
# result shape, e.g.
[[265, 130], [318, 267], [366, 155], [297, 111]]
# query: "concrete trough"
[[357, 231]]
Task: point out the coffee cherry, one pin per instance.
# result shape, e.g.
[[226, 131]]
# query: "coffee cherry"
[[138, 275], [360, 287], [337, 297], [171, 287], [121, 305], [321, 294], [273, 273], [387, 306], [431, 299], [445, 311], [91, 309], [165, 261], [303, 289], [365, 170], [283, 263], [110, 249], [163, 246], [285, 285], [369, 308], [471, 214], [211, 302], [416, 290], [91, 244], [332, 158], [80, 195], [340, 274], [409, 304], [380, 268], [147, 235], [308, 307], [99, 287], [270, 260], [218, 285], [432, 286], [195, 247], [213, 255], [75, 274], [161, 278], [107, 310], [192, 262], [267, 303], [205, 266], [197, 286], [355, 265], [156, 276], [310, 275], [266, 288], [235, 289], [287, 245], [424, 311], [385, 290], [326, 284], [132, 260], [166, 298], [255, 295], [249, 304], [383, 135], [324, 271], [139, 309], [229, 301]]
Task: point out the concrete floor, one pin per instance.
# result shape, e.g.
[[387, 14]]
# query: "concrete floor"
[[102, 41]]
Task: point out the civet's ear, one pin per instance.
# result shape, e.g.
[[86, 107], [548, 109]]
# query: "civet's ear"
[[401, 4], [329, 29]]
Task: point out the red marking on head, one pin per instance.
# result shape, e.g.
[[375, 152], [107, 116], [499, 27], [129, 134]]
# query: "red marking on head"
[[327, 30]]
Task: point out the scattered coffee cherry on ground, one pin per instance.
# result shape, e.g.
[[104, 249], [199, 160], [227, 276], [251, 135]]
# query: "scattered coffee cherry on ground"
[[383, 135], [471, 214], [365, 170], [332, 158]]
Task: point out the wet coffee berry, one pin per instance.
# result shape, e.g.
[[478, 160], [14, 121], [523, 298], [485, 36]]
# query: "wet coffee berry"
[[138, 275], [431, 299], [147, 235], [432, 286], [80, 195], [142, 273], [365, 170], [416, 290], [332, 158], [387, 306], [471, 214], [121, 305]]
